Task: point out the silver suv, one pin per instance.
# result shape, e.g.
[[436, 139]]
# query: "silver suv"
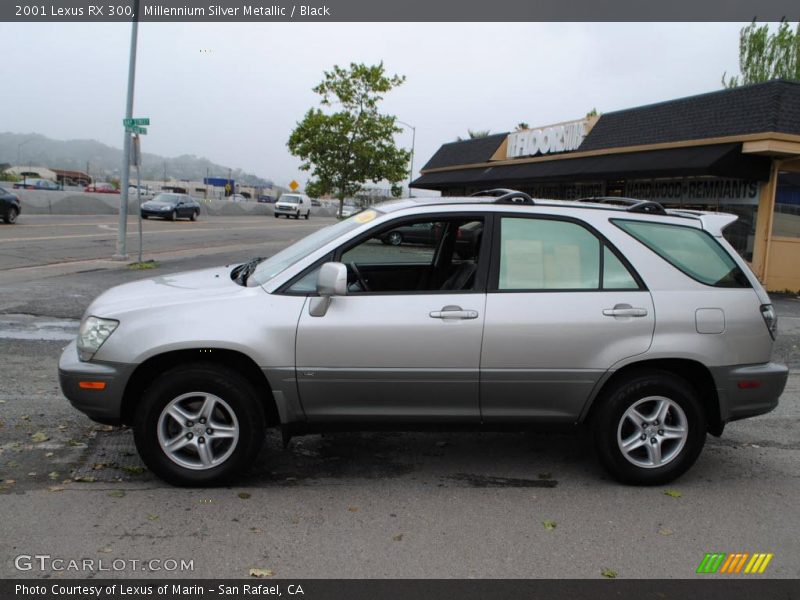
[[642, 323]]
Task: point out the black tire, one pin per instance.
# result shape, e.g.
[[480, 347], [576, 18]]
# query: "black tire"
[[174, 216], [307, 215], [193, 216], [202, 378], [394, 238], [11, 216], [610, 425], [277, 215], [144, 217]]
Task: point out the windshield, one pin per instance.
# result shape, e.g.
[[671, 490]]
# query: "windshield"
[[167, 198], [290, 199], [299, 250]]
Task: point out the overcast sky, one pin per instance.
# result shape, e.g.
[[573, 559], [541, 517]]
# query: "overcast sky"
[[234, 92]]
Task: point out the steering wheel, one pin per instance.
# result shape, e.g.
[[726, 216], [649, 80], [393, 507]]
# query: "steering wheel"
[[360, 278]]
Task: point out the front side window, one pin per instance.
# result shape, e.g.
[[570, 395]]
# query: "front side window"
[[545, 254], [690, 250], [431, 255]]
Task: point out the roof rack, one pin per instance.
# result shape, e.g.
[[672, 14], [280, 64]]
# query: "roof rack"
[[505, 196], [633, 205]]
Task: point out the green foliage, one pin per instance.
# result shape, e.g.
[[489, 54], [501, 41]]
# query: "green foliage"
[[592, 113], [522, 126], [355, 144], [764, 55], [5, 176], [474, 134]]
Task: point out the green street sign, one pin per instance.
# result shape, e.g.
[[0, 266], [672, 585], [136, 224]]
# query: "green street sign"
[[134, 122], [136, 129]]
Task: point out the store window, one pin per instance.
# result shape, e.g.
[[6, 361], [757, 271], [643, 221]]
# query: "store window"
[[786, 221]]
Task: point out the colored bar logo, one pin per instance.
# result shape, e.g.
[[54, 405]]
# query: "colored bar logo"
[[735, 563]]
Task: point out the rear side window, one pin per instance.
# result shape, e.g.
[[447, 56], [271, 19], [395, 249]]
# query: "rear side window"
[[693, 251], [538, 254]]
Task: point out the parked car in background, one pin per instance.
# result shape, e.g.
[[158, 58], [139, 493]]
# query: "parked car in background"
[[266, 199], [293, 205], [9, 206], [428, 234], [37, 184], [348, 209], [237, 198], [315, 202], [172, 207], [143, 191], [101, 188]]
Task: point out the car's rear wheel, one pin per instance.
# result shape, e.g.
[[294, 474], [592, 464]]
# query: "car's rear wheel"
[[144, 216], [307, 215], [11, 216], [649, 428], [199, 424], [193, 216], [173, 216]]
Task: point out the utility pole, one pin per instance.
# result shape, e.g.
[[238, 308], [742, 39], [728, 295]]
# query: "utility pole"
[[122, 231], [413, 143]]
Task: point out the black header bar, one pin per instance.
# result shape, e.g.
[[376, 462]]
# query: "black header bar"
[[332, 11]]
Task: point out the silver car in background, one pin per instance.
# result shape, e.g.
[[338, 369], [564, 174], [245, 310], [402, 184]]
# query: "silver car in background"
[[640, 323]]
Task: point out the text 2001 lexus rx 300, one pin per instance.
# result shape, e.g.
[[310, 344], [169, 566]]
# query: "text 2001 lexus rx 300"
[[642, 323]]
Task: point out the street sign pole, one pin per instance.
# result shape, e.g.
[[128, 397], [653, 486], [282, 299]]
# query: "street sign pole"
[[122, 230], [137, 160]]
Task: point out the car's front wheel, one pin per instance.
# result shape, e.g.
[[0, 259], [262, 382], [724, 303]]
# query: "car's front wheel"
[[649, 428], [199, 424], [193, 216], [11, 216]]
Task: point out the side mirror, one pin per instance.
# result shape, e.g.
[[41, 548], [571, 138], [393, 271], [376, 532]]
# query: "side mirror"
[[331, 281]]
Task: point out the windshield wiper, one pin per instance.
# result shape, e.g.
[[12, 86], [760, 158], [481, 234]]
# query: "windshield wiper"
[[240, 273]]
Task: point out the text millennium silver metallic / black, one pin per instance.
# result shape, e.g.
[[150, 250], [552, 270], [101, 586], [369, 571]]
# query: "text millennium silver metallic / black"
[[245, 10]]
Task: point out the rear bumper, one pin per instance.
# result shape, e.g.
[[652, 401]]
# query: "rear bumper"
[[103, 406], [747, 391]]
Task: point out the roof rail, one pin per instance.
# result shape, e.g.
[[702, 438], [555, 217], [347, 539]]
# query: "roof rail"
[[633, 205], [505, 196]]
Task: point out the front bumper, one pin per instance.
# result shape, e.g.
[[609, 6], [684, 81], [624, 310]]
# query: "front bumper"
[[164, 214], [747, 391], [103, 406]]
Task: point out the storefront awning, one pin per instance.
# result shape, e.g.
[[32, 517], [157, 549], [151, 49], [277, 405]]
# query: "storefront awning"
[[720, 160]]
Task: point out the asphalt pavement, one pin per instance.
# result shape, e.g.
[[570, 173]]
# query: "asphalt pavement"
[[433, 504]]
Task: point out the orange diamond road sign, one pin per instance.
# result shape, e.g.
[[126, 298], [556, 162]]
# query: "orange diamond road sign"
[[294, 185]]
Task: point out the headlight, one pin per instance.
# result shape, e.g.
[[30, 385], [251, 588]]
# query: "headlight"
[[93, 332]]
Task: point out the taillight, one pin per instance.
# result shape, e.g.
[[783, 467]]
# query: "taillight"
[[770, 318]]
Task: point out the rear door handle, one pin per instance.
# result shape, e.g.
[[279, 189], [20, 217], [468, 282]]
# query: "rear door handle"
[[625, 310], [454, 312]]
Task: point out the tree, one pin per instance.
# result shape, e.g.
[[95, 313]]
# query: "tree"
[[764, 55], [522, 126], [474, 135], [345, 149]]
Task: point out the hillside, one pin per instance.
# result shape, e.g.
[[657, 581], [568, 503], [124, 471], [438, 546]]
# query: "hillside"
[[105, 161]]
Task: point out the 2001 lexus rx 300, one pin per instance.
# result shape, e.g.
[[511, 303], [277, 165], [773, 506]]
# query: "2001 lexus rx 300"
[[640, 322]]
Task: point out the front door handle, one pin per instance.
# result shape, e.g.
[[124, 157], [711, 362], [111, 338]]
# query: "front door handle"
[[625, 310], [454, 312]]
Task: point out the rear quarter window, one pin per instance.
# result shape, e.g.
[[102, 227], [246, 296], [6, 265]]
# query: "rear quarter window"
[[692, 251]]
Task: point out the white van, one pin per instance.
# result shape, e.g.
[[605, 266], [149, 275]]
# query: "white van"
[[293, 205]]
